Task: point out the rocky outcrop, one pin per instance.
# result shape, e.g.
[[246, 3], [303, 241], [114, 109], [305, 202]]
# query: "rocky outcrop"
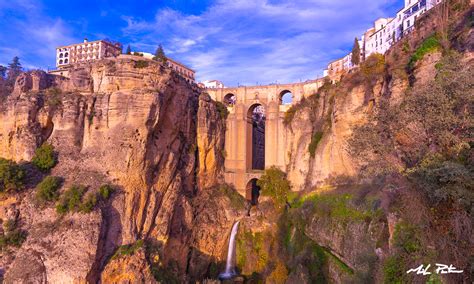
[[56, 250], [210, 142], [128, 269], [355, 244], [335, 118], [144, 130]]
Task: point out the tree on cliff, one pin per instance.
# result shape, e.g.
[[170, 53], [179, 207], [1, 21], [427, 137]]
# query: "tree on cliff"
[[129, 50], [355, 53], [3, 71], [14, 69], [273, 183], [160, 55]]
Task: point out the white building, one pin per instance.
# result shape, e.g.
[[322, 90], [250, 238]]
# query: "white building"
[[378, 38], [347, 62], [387, 31], [384, 34], [212, 84], [412, 10], [86, 51], [184, 71]]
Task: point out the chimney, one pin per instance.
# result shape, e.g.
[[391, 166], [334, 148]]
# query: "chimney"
[[85, 40]]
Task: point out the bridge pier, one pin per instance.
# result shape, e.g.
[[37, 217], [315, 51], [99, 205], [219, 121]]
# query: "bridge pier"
[[238, 138]]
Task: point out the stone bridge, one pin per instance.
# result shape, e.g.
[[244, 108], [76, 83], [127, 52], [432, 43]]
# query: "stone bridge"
[[252, 143]]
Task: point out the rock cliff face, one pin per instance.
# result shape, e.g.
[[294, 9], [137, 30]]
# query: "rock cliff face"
[[142, 129], [158, 141], [363, 235], [334, 118]]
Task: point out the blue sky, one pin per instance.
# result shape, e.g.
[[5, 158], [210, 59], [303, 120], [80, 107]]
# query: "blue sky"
[[235, 41]]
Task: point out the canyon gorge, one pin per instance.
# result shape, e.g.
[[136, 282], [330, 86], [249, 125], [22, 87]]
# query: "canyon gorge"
[[377, 175]]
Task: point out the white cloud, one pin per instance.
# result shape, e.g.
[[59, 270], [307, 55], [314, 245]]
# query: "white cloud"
[[245, 41], [34, 35]]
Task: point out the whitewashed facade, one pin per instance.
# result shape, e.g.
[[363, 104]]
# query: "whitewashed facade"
[[86, 51], [384, 33], [212, 84]]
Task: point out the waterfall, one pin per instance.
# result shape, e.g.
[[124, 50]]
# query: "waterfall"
[[229, 266]]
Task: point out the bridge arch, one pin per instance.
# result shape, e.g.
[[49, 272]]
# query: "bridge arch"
[[230, 99], [252, 191], [256, 137], [285, 97], [273, 145]]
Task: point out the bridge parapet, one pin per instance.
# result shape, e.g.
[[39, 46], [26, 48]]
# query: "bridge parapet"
[[267, 93]]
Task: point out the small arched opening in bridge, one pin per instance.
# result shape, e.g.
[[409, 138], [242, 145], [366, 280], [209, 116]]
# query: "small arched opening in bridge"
[[252, 191], [286, 97], [230, 99], [256, 137]]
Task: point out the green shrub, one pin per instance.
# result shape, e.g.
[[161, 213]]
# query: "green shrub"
[[290, 114], [429, 45], [297, 247], [222, 109], [406, 237], [394, 270], [105, 191], [434, 115], [11, 176], [274, 184], [47, 189], [90, 117], [340, 207], [129, 249], [141, 64], [443, 181], [315, 139], [89, 203], [12, 236], [373, 66], [9, 225], [236, 200], [311, 102], [75, 199], [53, 97], [15, 238], [406, 47], [54, 91], [44, 158], [163, 275], [70, 200]]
